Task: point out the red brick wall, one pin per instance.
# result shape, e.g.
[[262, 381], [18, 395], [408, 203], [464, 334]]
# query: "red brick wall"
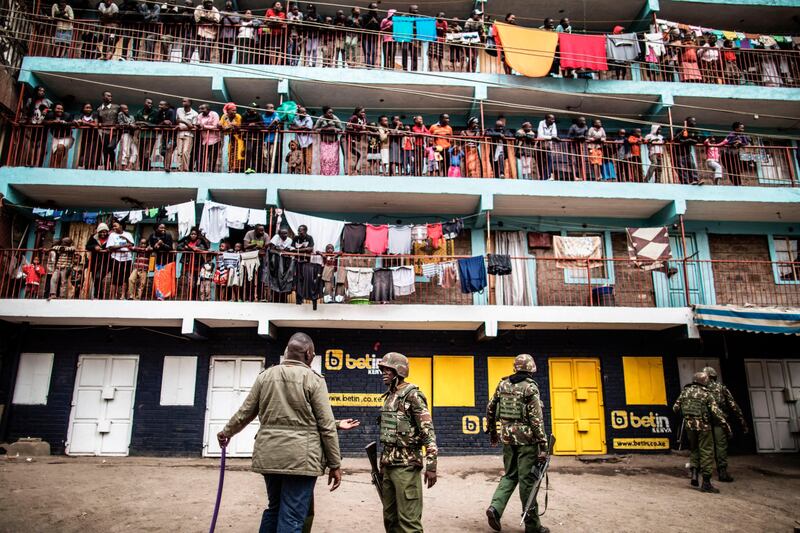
[[748, 283]]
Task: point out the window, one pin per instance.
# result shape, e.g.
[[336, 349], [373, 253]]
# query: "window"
[[498, 368], [33, 379], [178, 379], [602, 274], [785, 255], [644, 381], [454, 381]]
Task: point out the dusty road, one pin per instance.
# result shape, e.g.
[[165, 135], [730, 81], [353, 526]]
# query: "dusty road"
[[640, 493]]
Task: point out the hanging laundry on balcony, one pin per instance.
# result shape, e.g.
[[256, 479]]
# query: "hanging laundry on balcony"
[[403, 29], [90, 217], [121, 215], [435, 233], [499, 264], [426, 29], [309, 283], [528, 51], [622, 47], [353, 238], [281, 272], [753, 319], [472, 272], [582, 51], [403, 280], [382, 285], [578, 248], [164, 281], [136, 216], [649, 248], [359, 282], [377, 239], [236, 217], [448, 277], [257, 216], [324, 230], [213, 222], [419, 233], [186, 215], [399, 240], [453, 228]]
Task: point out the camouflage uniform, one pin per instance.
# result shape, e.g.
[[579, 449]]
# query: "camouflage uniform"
[[728, 405], [699, 410], [516, 405], [406, 428]]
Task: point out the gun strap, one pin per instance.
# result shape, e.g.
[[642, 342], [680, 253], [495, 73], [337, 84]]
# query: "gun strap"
[[546, 492]]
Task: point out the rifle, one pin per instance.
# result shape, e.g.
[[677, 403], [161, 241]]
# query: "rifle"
[[539, 471], [680, 433], [377, 477]]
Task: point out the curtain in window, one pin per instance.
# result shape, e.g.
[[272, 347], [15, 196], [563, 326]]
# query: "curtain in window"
[[512, 289]]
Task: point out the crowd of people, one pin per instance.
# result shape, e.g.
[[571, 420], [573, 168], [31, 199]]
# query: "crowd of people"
[[294, 35], [113, 265], [162, 137]]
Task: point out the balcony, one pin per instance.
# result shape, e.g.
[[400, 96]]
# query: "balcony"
[[252, 150], [535, 281], [309, 45]]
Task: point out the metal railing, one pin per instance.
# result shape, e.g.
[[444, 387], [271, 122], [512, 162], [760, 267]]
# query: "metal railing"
[[294, 43], [426, 280], [393, 153]]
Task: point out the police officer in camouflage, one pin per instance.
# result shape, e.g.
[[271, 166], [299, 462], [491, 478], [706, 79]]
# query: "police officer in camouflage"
[[406, 428], [517, 407], [696, 404], [728, 405]]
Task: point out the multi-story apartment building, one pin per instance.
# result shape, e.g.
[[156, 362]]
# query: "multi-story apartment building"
[[616, 329]]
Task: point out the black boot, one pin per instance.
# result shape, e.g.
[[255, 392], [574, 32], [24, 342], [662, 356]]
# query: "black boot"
[[724, 476], [693, 476], [707, 486], [494, 518]]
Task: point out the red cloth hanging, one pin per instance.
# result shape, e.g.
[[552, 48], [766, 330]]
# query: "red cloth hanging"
[[582, 51]]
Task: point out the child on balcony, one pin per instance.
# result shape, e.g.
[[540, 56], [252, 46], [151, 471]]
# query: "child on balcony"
[[128, 151], [33, 277], [455, 161], [141, 266], [76, 277], [712, 157], [294, 159], [205, 278], [333, 275]]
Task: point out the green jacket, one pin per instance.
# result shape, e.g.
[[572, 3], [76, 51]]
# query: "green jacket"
[[518, 408], [298, 432]]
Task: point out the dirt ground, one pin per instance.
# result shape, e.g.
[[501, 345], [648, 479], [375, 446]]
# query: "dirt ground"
[[637, 493]]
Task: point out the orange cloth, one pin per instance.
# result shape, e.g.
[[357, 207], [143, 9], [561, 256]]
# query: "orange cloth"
[[528, 51]]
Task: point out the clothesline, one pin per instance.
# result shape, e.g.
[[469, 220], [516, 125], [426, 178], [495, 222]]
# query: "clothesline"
[[727, 34]]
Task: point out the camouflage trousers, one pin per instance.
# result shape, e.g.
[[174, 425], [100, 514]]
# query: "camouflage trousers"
[[518, 461], [721, 447], [402, 499], [701, 444]]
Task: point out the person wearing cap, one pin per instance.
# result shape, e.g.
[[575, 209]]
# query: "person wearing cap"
[[517, 407], [699, 411], [729, 407], [406, 428]]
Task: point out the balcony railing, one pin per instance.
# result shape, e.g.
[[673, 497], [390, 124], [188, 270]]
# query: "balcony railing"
[[540, 281], [252, 149], [316, 45]]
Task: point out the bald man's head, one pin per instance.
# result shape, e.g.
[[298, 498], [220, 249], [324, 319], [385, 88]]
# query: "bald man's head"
[[300, 348]]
